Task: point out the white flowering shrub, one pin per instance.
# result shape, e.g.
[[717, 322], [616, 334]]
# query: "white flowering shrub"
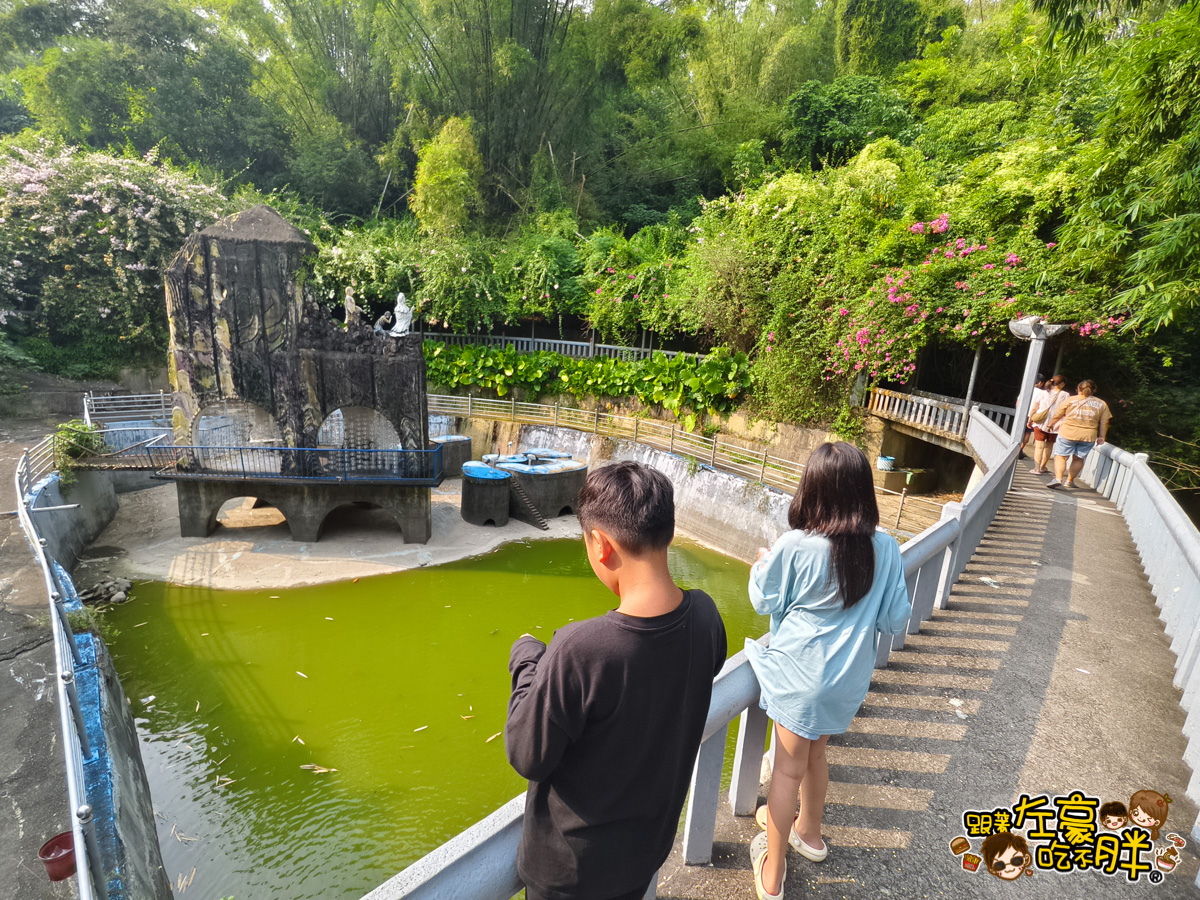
[[84, 240]]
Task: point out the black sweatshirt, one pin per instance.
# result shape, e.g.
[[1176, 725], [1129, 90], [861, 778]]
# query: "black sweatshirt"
[[605, 724]]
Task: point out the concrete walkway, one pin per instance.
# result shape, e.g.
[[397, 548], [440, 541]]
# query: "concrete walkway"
[[1051, 650], [33, 787]]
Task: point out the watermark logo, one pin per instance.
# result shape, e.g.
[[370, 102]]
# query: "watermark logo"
[[1071, 832]]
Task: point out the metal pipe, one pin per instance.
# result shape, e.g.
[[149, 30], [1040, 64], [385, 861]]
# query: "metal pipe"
[[68, 680], [971, 387], [95, 863]]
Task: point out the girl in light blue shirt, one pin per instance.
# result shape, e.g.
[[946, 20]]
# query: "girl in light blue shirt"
[[830, 585]]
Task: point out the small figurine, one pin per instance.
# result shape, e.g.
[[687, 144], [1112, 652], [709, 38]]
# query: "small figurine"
[[381, 324], [353, 310], [403, 317]]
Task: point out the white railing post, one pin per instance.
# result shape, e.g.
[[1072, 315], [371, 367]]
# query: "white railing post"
[[747, 759], [949, 573], [701, 822]]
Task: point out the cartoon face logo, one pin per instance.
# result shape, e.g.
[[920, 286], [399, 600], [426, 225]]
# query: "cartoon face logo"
[[1006, 855], [1148, 809], [1113, 816]]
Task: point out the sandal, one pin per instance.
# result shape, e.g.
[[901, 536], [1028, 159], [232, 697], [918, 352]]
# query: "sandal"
[[758, 855], [808, 851]]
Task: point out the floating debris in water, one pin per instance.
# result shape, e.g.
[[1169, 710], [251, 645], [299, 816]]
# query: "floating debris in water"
[[422, 728], [493, 737], [494, 631], [329, 618], [197, 706], [301, 674], [152, 697], [317, 770], [204, 634], [355, 581], [140, 624], [464, 718], [297, 739]]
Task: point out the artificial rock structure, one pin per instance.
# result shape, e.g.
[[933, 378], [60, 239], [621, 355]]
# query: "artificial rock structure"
[[242, 328], [256, 362]]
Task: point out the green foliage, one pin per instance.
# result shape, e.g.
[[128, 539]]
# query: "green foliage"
[[874, 36], [74, 440], [446, 191], [830, 123], [149, 74], [83, 239], [373, 262], [715, 384], [1140, 209]]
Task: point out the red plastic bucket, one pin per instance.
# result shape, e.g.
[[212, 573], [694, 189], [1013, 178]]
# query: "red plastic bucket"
[[58, 856]]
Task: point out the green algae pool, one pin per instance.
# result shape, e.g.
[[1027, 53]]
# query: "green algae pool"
[[397, 682]]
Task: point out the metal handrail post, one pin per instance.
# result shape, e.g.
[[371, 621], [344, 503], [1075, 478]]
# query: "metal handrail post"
[[68, 680], [468, 405], [88, 826], [556, 414], [61, 613]]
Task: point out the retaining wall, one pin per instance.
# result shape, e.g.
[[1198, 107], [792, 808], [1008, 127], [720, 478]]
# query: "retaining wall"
[[725, 511], [114, 774], [68, 531]]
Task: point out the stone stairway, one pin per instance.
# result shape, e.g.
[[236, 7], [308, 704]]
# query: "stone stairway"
[[1047, 672]]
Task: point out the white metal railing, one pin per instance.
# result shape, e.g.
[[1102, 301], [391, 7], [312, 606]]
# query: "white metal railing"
[[1168, 544], [574, 349], [757, 465], [935, 413], [102, 409], [480, 863], [32, 470]]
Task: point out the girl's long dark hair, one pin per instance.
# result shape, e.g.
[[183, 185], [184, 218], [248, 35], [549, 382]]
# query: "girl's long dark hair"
[[836, 498]]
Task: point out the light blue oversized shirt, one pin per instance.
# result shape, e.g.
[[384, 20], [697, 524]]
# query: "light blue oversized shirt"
[[816, 672]]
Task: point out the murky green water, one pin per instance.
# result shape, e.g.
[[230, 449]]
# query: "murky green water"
[[398, 682]]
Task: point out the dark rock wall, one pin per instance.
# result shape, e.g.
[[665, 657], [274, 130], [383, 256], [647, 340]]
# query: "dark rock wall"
[[243, 329]]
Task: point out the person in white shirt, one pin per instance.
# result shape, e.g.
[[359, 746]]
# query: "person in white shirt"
[[1038, 393], [1041, 413]]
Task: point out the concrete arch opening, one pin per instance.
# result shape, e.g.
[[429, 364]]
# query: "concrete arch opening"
[[236, 436], [248, 512], [364, 518], [358, 428], [235, 423]]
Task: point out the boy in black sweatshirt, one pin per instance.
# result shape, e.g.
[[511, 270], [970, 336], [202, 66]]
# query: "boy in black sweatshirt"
[[605, 723]]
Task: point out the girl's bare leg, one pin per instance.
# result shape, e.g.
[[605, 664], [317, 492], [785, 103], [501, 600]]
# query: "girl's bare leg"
[[1041, 455], [812, 794], [791, 762]]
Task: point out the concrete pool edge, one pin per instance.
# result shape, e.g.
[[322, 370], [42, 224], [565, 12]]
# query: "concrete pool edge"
[[723, 512]]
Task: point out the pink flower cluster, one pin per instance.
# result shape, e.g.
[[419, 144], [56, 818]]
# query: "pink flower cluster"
[[935, 226]]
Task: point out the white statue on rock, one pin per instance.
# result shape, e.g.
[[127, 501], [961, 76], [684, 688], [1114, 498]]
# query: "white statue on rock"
[[403, 317]]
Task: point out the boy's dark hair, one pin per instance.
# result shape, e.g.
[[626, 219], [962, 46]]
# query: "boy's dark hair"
[[633, 503], [836, 498], [1114, 808]]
